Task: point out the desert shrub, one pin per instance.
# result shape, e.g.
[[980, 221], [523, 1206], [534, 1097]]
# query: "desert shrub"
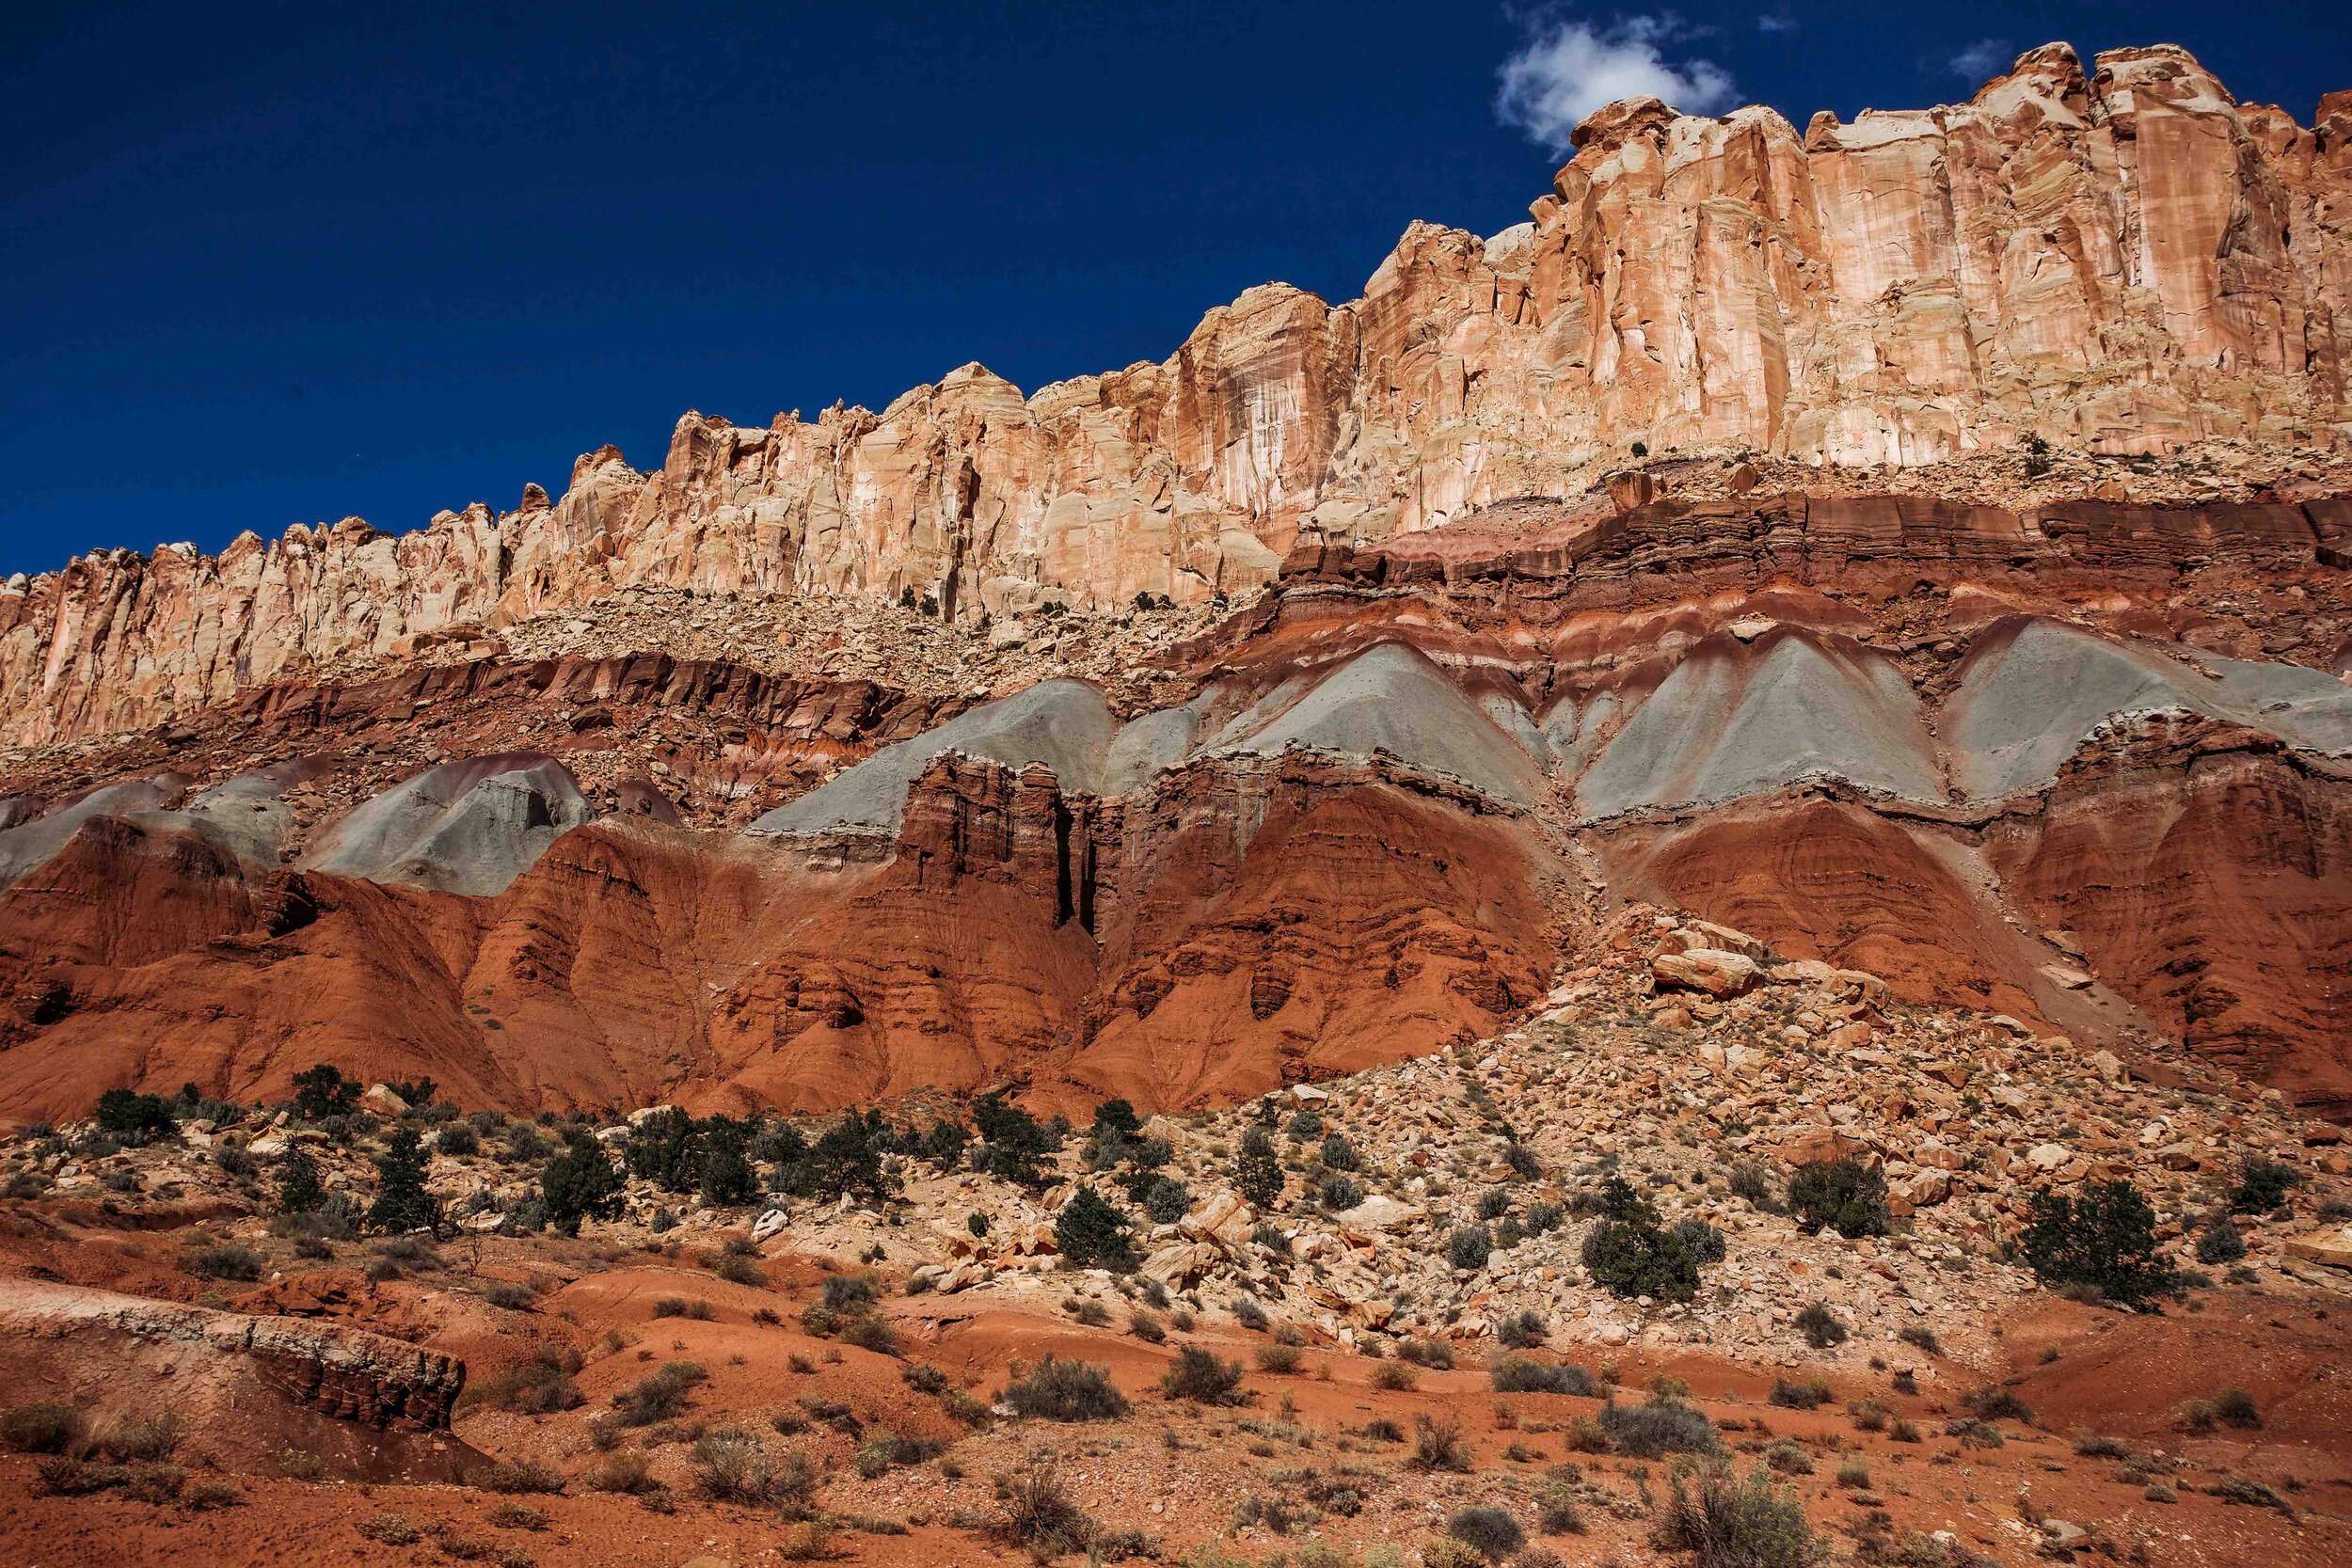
[[1338, 1153], [2105, 1239], [1868, 1414], [1920, 1337], [1749, 1181], [885, 1451], [2219, 1242], [869, 1331], [1522, 1160], [1089, 1233], [536, 1386], [1520, 1374], [677, 1307], [126, 1114], [457, 1140], [509, 1295], [1489, 1531], [1247, 1313], [1202, 1378], [1436, 1354], [1634, 1258], [659, 1397], [1993, 1402], [1844, 1195], [401, 1202], [580, 1184], [514, 1515], [1039, 1514], [1701, 1240], [1819, 1327], [1339, 1193], [204, 1495], [516, 1477], [45, 1428], [729, 1467], [1808, 1395], [1853, 1473], [63, 1475], [1257, 1173], [2237, 1408], [1556, 1513], [147, 1437], [153, 1483], [1276, 1356], [1518, 1330], [1167, 1200], [1394, 1376], [737, 1270], [1058, 1390], [1438, 1445], [2263, 1186], [1469, 1246], [389, 1530], [1729, 1523], [1655, 1430], [1541, 1219], [1787, 1457], [626, 1471], [226, 1262], [1493, 1204]]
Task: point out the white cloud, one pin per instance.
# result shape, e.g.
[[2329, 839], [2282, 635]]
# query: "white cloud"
[[1985, 57], [1782, 23], [1568, 68]]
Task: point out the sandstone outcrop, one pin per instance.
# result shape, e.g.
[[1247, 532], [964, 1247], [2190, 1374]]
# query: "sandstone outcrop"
[[258, 1386], [2124, 259]]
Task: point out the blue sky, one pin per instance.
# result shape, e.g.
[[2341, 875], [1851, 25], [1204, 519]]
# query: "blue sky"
[[263, 265]]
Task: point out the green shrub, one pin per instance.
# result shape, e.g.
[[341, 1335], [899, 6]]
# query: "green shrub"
[[1469, 1247], [1520, 1374], [45, 1428], [127, 1113], [1338, 1193], [1058, 1390], [1655, 1430], [1843, 1195], [1167, 1200], [226, 1262], [1820, 1327], [1091, 1233], [660, 1397], [515, 1477], [2263, 1185], [1487, 1530], [2105, 1239], [1202, 1378], [1436, 1354], [1438, 1445], [1728, 1522], [2219, 1242], [1809, 1395], [1632, 1258]]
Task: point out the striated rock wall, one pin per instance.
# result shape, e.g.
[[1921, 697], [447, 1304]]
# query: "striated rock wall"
[[2125, 260]]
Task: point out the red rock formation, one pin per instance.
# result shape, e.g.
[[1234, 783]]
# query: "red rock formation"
[[2128, 261]]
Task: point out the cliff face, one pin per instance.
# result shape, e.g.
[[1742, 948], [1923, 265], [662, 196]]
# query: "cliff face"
[[2127, 262]]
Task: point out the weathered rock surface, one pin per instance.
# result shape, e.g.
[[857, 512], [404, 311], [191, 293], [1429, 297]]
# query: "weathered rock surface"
[[256, 1385], [2125, 260]]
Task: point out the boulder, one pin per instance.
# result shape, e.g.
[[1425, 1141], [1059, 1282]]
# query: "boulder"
[[1708, 969]]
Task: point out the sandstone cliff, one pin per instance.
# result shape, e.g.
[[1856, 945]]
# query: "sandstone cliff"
[[2125, 261]]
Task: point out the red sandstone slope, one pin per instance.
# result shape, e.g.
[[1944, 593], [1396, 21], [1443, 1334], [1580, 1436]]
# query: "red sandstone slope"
[[636, 963]]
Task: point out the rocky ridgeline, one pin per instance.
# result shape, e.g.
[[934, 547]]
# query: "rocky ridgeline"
[[2121, 260]]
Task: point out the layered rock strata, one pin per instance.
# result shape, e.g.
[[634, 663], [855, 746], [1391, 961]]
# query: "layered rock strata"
[[2125, 261]]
